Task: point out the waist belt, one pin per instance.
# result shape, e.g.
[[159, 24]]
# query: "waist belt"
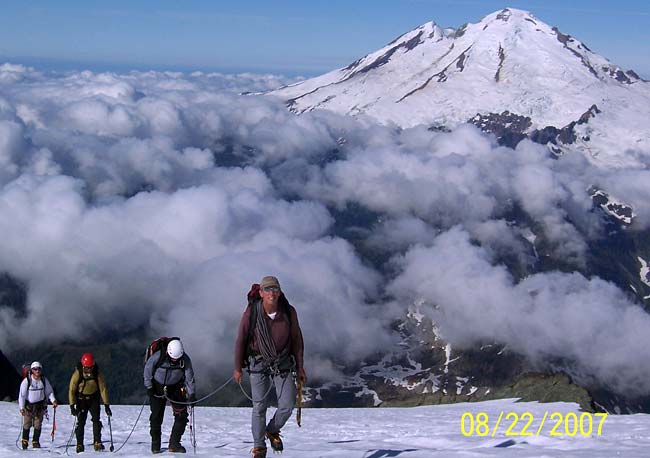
[[86, 397], [35, 406], [283, 365]]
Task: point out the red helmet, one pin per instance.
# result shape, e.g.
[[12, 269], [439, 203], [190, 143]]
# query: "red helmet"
[[87, 360]]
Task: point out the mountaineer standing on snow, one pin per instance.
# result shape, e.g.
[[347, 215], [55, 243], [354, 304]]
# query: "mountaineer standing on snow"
[[87, 385], [34, 392], [269, 343], [168, 373]]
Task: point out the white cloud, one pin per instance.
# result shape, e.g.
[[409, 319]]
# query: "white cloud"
[[155, 199], [181, 261], [587, 322]]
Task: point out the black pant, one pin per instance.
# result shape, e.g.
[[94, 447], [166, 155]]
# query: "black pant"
[[85, 405], [37, 434], [158, 404]]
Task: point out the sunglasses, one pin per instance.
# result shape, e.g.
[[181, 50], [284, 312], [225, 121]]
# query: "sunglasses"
[[271, 289], [36, 369]]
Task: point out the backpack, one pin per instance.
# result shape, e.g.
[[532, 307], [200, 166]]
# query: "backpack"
[[253, 296], [160, 344], [25, 371]]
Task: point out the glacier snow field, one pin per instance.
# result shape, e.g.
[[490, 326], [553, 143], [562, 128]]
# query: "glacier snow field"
[[483, 429]]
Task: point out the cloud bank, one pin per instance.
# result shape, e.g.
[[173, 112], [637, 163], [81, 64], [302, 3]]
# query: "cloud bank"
[[153, 200], [545, 316]]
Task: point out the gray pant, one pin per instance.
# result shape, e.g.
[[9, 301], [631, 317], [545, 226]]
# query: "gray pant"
[[285, 390]]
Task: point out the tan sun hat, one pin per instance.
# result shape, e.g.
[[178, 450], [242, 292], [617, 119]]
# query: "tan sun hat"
[[269, 281]]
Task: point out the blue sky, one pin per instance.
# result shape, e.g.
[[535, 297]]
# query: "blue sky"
[[289, 37]]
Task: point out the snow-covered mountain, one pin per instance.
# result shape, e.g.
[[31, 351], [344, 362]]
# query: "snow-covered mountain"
[[510, 74]]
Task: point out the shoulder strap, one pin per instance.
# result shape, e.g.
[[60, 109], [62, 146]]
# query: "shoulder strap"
[[284, 303], [80, 378], [252, 321], [253, 297], [161, 360]]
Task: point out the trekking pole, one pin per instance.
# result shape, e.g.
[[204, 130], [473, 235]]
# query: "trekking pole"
[[193, 428], [299, 412], [110, 430]]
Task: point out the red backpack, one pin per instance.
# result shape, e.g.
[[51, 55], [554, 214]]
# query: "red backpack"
[[160, 344]]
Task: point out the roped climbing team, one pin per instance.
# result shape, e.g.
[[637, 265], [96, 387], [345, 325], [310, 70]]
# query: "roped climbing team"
[[269, 346]]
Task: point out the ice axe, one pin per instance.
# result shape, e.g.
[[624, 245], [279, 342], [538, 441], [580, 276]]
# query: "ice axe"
[[299, 412], [53, 424]]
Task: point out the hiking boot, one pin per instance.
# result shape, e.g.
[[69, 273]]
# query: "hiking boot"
[[176, 448], [36, 437], [80, 448], [155, 446], [259, 452], [98, 446], [24, 443], [276, 442]]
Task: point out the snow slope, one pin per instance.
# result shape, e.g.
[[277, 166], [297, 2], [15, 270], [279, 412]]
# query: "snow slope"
[[430, 431], [510, 61]]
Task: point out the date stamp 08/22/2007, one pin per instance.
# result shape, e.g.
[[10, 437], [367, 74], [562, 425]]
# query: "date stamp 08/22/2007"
[[554, 424]]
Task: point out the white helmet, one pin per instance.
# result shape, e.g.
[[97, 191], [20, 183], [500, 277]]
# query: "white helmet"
[[36, 364], [175, 349]]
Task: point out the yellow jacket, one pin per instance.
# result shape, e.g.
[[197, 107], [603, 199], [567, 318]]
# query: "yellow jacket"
[[82, 386]]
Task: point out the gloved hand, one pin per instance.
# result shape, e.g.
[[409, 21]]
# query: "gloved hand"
[[73, 411], [192, 397], [107, 409], [151, 392]]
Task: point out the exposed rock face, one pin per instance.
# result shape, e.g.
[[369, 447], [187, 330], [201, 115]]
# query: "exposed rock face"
[[13, 295], [509, 128], [548, 388], [618, 210], [9, 380], [428, 371]]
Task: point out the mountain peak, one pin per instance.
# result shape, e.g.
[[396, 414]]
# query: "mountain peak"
[[508, 62], [507, 13]]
